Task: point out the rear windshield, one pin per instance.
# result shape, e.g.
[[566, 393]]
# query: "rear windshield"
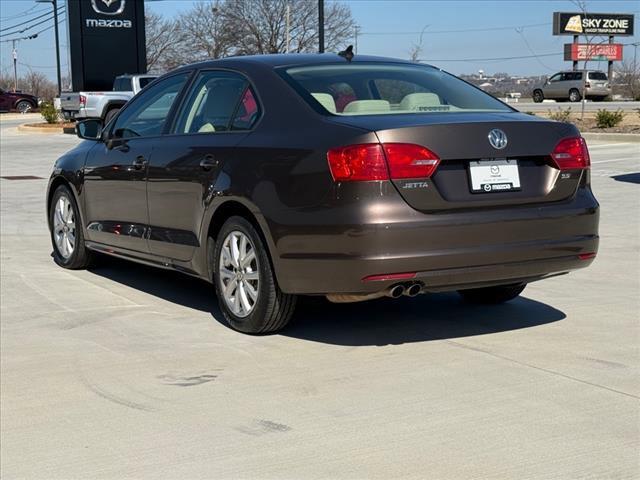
[[597, 76], [388, 88]]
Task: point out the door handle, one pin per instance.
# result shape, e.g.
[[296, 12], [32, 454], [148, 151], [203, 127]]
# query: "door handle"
[[139, 162], [208, 162]]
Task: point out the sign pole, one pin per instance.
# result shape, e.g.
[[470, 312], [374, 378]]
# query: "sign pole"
[[15, 67], [610, 69]]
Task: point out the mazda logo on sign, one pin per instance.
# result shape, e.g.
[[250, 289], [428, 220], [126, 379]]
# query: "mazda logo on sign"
[[497, 139], [108, 7]]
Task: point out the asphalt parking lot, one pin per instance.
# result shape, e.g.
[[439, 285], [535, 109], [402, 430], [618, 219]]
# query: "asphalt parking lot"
[[128, 372]]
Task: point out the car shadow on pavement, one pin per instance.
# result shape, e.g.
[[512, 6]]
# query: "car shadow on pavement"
[[377, 322], [628, 177], [420, 319]]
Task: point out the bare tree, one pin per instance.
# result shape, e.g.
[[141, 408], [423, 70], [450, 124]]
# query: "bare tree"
[[36, 83], [204, 32], [259, 26], [628, 79], [163, 38]]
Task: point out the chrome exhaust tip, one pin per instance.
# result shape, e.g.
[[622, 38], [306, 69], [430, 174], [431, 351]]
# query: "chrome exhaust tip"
[[397, 291], [413, 290]]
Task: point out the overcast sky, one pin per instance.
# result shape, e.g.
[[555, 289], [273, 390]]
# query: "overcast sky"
[[507, 29]]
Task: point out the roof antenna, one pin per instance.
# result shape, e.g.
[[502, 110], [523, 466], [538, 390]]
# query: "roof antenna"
[[347, 54]]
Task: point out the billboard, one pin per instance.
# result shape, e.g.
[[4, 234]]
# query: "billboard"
[[619, 24], [582, 51], [106, 39]]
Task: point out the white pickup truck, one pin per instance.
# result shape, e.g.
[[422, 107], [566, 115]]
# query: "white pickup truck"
[[103, 105]]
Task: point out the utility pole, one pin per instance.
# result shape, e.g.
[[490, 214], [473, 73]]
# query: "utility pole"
[[15, 67], [55, 28], [357, 31], [288, 26], [321, 26]]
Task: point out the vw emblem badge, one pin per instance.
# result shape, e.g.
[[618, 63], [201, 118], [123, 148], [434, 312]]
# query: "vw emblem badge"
[[497, 139]]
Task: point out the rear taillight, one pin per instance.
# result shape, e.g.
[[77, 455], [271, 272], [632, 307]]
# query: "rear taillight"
[[358, 163], [83, 100], [410, 161], [571, 153], [374, 161]]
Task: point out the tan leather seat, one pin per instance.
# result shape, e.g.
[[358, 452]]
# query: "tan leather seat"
[[207, 128], [326, 100]]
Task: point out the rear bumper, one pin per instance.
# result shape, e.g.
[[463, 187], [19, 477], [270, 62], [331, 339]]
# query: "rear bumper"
[[446, 251]]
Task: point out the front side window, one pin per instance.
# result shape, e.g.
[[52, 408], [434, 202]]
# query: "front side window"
[[219, 101], [148, 112], [388, 88], [555, 78]]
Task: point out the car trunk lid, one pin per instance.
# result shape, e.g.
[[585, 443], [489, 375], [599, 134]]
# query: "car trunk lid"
[[461, 141]]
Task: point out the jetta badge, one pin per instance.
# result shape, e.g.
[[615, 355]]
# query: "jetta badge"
[[497, 139], [117, 11]]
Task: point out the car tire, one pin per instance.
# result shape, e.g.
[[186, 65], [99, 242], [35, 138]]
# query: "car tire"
[[23, 106], [538, 96], [574, 95], [492, 295], [110, 114], [67, 236], [247, 290]]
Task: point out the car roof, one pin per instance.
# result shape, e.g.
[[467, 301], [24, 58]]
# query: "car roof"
[[293, 59]]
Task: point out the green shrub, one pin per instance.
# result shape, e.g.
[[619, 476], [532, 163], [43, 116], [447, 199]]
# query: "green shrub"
[[560, 115], [49, 112], [607, 119]]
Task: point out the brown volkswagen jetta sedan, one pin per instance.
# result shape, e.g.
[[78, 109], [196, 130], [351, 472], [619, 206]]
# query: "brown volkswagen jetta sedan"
[[283, 175]]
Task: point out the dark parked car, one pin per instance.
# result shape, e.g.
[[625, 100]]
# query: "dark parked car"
[[20, 102], [283, 175]]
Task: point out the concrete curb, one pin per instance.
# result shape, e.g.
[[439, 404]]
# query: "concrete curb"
[[30, 128], [612, 137]]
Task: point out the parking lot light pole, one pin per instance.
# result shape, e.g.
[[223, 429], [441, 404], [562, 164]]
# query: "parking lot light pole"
[[321, 26], [55, 28]]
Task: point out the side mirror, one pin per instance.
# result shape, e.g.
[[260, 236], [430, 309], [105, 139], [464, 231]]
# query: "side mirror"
[[90, 129]]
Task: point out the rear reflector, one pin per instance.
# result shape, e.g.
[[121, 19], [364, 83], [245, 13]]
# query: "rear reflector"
[[389, 276], [587, 256], [571, 154], [375, 161]]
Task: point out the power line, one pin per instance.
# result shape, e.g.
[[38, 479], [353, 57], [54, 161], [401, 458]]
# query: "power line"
[[29, 27], [488, 59], [33, 35], [18, 15], [429, 32], [27, 21]]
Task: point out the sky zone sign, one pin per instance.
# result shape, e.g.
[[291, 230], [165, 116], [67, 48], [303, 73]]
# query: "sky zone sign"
[[618, 24]]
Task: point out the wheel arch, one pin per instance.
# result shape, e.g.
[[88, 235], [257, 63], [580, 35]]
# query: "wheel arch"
[[56, 182], [236, 207], [112, 105]]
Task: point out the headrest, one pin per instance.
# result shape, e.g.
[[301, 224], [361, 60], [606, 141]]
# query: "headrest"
[[367, 106], [418, 101]]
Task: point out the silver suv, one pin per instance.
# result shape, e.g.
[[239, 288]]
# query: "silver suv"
[[568, 86]]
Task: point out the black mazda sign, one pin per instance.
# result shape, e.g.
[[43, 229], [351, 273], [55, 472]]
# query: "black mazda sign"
[[618, 24], [106, 39]]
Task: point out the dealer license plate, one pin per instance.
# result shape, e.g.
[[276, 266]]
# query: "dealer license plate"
[[489, 176]]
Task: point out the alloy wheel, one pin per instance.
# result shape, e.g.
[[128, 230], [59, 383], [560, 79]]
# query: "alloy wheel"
[[64, 227], [238, 273]]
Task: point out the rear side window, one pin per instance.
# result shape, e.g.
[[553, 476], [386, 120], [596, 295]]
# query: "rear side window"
[[214, 101], [144, 81], [597, 76], [123, 85], [387, 88]]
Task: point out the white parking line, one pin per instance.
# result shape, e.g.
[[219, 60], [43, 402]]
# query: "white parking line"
[[599, 145], [623, 159]]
